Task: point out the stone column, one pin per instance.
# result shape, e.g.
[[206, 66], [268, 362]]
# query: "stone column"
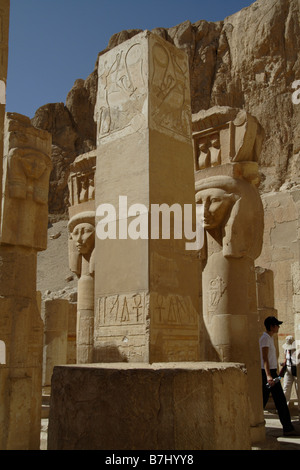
[[71, 350], [55, 317], [81, 249], [4, 33], [24, 219], [146, 292], [227, 144], [82, 241]]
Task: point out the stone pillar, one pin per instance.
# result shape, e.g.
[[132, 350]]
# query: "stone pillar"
[[146, 293], [55, 317], [81, 249], [4, 33], [227, 144], [71, 350], [27, 166]]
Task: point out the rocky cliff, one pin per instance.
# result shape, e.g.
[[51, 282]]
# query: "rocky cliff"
[[250, 60]]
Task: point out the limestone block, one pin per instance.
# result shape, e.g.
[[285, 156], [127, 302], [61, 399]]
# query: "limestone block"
[[27, 167], [173, 406]]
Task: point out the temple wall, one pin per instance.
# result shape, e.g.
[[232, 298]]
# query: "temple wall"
[[281, 254]]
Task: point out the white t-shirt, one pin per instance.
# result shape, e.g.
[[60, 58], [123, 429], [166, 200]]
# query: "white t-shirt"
[[266, 341], [290, 357]]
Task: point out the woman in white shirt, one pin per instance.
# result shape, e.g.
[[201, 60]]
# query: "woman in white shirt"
[[290, 376]]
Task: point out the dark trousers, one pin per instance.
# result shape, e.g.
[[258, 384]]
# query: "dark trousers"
[[279, 400]]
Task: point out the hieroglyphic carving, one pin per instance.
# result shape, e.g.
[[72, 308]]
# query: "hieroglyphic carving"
[[173, 311], [216, 289], [122, 309], [121, 91], [144, 132], [170, 107], [131, 309], [122, 101]]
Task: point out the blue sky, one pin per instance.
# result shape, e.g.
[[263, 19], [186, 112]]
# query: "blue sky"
[[54, 42]]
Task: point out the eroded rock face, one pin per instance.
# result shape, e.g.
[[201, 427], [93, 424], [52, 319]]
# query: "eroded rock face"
[[250, 60]]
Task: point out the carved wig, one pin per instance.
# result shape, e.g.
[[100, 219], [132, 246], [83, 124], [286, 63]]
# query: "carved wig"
[[75, 258], [242, 230]]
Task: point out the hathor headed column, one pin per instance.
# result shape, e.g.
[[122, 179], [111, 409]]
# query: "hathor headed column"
[[82, 248], [226, 147], [23, 232]]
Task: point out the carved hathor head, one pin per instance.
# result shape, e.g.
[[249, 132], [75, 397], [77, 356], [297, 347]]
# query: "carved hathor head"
[[233, 205], [82, 231]]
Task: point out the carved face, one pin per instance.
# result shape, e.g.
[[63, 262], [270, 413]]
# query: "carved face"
[[216, 206], [203, 146], [215, 142], [84, 237], [33, 166]]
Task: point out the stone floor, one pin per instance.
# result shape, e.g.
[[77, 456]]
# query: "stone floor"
[[274, 438]]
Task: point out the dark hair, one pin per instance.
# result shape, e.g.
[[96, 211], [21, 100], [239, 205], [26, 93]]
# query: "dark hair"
[[271, 321]]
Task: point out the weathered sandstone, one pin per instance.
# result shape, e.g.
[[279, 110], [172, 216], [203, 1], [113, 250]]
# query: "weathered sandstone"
[[170, 406]]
